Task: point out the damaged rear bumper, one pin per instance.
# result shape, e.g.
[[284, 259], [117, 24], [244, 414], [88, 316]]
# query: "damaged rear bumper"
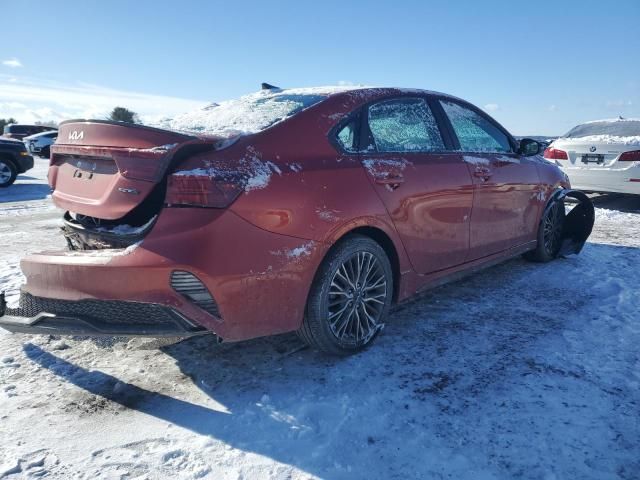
[[94, 317], [254, 286]]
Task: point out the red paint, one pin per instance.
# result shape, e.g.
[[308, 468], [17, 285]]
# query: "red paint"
[[258, 256]]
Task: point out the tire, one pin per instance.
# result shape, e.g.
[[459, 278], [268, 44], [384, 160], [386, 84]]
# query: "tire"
[[45, 152], [549, 233], [358, 308], [8, 173]]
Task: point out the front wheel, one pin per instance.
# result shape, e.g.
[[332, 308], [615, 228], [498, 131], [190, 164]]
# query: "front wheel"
[[350, 297], [550, 233], [8, 173]]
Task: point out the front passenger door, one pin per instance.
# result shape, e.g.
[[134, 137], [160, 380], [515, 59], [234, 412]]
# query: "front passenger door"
[[427, 191], [505, 206]]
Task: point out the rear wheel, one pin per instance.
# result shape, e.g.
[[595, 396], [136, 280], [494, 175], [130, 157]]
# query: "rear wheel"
[[350, 297], [45, 152], [8, 173], [549, 234]]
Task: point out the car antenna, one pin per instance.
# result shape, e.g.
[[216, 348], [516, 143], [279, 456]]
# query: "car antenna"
[[267, 86]]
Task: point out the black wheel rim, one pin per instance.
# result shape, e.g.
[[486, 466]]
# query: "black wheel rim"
[[552, 228], [357, 298]]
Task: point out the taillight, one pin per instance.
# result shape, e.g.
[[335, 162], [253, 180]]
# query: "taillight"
[[202, 190], [630, 156], [555, 154]]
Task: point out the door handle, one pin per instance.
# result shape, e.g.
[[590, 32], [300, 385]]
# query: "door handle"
[[393, 180], [483, 173]]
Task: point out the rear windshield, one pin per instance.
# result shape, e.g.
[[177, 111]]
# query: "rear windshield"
[[248, 114], [618, 128]]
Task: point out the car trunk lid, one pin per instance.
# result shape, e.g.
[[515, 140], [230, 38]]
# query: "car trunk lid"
[[106, 169], [590, 155]]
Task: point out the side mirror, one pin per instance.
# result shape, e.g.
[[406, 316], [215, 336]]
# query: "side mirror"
[[529, 147]]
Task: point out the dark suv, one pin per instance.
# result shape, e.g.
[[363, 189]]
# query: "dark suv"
[[14, 159], [18, 132]]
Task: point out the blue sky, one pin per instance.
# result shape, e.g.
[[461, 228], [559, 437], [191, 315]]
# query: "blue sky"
[[538, 69]]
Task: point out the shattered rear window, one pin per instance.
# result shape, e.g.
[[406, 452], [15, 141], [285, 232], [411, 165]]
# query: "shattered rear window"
[[248, 114]]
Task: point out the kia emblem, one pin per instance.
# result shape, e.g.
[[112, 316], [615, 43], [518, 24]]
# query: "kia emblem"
[[75, 135]]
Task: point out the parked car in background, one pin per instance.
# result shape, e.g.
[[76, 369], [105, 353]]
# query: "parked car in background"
[[600, 156], [14, 159], [40, 143], [18, 131], [330, 206]]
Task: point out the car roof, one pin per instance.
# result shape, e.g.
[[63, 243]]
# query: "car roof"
[[377, 92]]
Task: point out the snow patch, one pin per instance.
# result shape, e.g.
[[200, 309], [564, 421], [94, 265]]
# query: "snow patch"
[[197, 172], [255, 172], [375, 165], [156, 149], [328, 215], [294, 167], [296, 253]]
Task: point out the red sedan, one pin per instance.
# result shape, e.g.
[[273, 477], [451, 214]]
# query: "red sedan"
[[308, 210]]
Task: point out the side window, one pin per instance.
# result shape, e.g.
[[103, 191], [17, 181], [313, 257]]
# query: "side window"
[[404, 125], [347, 136], [475, 133]]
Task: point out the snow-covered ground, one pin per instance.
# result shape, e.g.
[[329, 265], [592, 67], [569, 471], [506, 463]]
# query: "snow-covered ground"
[[524, 370]]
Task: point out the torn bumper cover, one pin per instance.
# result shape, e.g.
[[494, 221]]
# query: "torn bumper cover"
[[578, 223], [94, 318]]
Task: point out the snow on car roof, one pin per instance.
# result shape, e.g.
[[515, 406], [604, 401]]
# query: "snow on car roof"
[[257, 111], [615, 130], [250, 113]]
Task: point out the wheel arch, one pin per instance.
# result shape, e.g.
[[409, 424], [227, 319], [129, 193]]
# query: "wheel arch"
[[382, 238]]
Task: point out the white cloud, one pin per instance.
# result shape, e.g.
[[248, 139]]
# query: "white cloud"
[[30, 100], [552, 108], [492, 107], [12, 62], [345, 83], [618, 103]]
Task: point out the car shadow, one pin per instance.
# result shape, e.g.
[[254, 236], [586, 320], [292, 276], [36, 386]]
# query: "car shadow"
[[456, 359], [619, 202], [20, 192]]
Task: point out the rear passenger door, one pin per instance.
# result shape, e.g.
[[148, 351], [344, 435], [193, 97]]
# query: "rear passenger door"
[[427, 192], [505, 206]]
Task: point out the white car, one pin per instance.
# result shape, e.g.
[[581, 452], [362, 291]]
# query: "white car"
[[39, 143], [600, 156]]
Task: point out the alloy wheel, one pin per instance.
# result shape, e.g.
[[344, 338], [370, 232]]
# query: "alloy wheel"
[[357, 297], [552, 228]]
